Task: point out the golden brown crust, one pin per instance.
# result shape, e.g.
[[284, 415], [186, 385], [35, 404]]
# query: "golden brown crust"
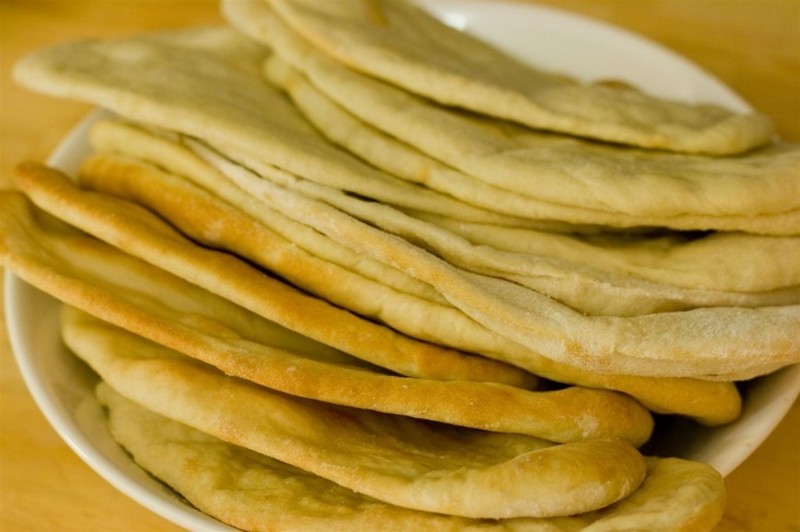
[[237, 229], [138, 232], [392, 458], [254, 492], [718, 343], [138, 297]]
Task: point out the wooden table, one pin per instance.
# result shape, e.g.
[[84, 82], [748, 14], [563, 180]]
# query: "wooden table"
[[752, 45]]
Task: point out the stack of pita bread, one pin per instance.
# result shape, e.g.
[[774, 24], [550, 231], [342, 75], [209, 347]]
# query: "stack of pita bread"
[[340, 266]]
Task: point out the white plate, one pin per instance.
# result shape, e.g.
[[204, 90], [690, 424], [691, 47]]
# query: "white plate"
[[62, 386]]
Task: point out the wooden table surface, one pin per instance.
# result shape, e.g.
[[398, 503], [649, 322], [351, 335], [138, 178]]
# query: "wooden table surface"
[[752, 45]]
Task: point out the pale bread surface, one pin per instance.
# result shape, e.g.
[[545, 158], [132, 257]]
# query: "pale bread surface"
[[410, 161], [399, 42], [582, 287], [138, 297], [772, 260], [606, 281], [578, 283], [155, 147], [255, 492], [170, 80], [190, 209], [725, 343], [392, 458], [139, 232], [597, 183], [723, 261]]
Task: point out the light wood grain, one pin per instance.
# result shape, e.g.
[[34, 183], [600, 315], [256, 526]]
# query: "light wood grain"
[[752, 45]]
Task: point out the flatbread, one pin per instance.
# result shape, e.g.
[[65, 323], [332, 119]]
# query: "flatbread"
[[395, 459], [712, 262], [156, 305], [254, 492], [139, 232], [171, 80], [247, 234], [396, 157], [582, 287], [126, 138], [245, 489], [505, 471], [726, 343], [716, 261], [597, 183], [261, 234], [398, 42]]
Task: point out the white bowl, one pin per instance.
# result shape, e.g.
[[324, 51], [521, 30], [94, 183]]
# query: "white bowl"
[[62, 386]]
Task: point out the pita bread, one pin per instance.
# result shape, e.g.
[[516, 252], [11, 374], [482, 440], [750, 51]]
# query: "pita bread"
[[668, 260], [245, 489], [189, 209], [139, 232], [422, 466], [215, 224], [716, 261], [582, 287], [170, 80], [71, 266], [87, 256], [726, 343], [607, 185], [400, 43], [403, 160], [156, 305], [395, 459], [254, 492], [132, 140]]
